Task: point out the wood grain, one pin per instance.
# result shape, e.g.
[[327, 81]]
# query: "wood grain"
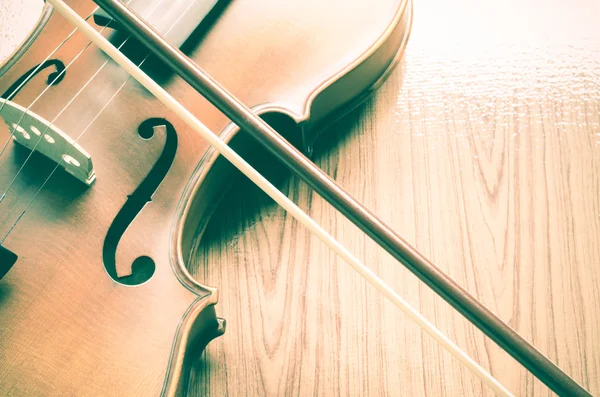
[[483, 151]]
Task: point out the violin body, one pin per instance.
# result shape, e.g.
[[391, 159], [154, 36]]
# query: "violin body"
[[99, 301]]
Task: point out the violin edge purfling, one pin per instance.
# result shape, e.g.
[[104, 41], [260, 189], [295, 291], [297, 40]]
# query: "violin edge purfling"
[[107, 311]]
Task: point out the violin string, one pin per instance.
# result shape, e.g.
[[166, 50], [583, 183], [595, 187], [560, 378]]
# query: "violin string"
[[236, 160], [29, 107], [16, 176], [58, 164], [34, 71], [42, 135], [55, 168], [31, 75]]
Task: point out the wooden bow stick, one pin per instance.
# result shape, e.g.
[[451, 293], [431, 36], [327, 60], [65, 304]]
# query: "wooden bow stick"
[[540, 366]]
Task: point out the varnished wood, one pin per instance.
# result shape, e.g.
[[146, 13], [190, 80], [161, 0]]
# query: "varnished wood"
[[445, 153], [70, 328]]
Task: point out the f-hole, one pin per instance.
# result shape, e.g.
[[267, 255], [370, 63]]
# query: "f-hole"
[[143, 267], [52, 79]]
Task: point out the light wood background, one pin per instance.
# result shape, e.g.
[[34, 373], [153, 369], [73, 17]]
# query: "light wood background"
[[483, 150]]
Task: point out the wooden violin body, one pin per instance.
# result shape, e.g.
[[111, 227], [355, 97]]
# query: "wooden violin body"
[[100, 302]]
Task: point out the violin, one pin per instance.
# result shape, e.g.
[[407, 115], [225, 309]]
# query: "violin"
[[108, 188]]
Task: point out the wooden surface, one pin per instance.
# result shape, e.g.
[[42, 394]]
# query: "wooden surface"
[[483, 151]]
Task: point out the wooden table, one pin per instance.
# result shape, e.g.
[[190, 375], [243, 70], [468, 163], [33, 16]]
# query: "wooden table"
[[482, 150]]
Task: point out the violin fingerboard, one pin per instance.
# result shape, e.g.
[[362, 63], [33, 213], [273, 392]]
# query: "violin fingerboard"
[[37, 134], [175, 20]]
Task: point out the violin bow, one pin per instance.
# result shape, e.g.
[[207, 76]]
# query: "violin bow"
[[473, 310]]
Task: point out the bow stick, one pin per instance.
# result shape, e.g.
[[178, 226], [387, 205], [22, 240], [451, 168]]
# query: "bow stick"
[[435, 278]]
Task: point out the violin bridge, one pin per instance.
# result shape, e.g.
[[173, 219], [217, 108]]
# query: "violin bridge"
[[37, 134]]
